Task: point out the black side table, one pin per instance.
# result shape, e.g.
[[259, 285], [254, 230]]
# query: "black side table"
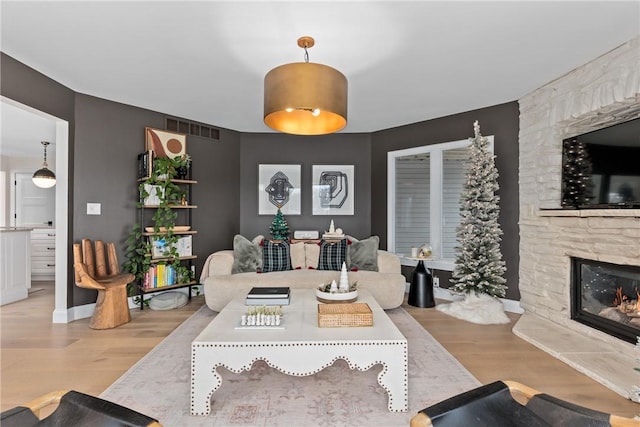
[[421, 290]]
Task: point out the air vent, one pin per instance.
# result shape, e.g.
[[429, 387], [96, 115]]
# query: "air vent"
[[191, 128]]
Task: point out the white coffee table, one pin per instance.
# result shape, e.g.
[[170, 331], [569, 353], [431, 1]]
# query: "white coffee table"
[[300, 349]]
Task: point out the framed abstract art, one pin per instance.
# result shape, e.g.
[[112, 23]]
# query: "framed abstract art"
[[333, 189], [165, 143], [279, 187]]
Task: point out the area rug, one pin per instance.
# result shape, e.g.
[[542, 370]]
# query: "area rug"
[[158, 386]]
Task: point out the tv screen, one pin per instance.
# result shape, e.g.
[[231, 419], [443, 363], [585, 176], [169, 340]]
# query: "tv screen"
[[601, 169]]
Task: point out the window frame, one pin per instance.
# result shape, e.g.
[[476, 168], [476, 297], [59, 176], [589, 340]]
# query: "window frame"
[[435, 152]]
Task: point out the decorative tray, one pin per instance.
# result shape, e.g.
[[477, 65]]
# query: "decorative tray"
[[344, 315], [175, 228], [338, 297]]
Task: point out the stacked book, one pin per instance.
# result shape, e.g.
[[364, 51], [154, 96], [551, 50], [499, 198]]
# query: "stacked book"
[[269, 296], [145, 164], [159, 275]]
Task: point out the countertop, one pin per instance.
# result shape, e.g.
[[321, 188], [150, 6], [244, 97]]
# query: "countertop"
[[7, 229]]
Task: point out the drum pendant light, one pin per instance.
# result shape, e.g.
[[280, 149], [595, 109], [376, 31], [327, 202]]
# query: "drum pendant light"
[[44, 178], [303, 98]]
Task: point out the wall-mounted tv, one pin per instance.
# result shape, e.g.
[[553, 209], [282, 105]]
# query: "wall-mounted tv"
[[601, 169]]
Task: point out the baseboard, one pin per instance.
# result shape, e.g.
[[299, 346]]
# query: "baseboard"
[[80, 312], [509, 305], [60, 316], [86, 310]]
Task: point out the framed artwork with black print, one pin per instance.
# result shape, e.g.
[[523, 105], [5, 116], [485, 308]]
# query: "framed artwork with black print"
[[279, 187], [333, 189]]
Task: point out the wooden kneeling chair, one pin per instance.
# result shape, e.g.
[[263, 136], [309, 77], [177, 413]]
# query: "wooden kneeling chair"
[[102, 273], [75, 409], [493, 405]]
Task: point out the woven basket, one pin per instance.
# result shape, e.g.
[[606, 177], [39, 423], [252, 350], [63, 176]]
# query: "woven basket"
[[344, 315]]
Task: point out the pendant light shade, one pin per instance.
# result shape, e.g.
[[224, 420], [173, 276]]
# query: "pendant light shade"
[[303, 98], [44, 178]]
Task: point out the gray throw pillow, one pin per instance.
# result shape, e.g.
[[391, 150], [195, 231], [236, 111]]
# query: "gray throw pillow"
[[168, 301], [363, 254], [247, 255]]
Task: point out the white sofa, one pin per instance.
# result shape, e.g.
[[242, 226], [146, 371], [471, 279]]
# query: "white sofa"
[[387, 285]]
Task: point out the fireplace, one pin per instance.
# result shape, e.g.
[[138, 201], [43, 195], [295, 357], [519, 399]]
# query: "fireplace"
[[606, 297]]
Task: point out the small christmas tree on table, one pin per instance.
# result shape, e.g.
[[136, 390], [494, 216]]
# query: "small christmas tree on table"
[[279, 228], [479, 267]]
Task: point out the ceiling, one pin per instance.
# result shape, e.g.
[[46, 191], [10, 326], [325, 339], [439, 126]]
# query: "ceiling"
[[22, 131], [405, 61]]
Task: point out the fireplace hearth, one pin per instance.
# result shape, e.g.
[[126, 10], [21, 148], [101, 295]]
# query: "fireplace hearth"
[[606, 297]]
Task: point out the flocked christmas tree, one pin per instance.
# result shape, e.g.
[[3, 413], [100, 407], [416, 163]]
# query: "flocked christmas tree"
[[279, 228], [479, 267], [576, 174]]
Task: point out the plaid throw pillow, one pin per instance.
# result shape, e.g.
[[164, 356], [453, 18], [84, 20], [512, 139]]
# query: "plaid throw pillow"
[[332, 255], [276, 256]]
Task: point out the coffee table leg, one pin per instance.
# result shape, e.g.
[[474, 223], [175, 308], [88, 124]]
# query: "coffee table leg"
[[205, 380], [395, 378]]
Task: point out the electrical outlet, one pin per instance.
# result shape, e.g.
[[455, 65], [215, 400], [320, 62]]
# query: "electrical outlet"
[[436, 282]]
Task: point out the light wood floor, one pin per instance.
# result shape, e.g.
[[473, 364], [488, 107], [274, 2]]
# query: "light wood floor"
[[38, 356]]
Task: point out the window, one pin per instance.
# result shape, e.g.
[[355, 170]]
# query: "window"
[[424, 186]]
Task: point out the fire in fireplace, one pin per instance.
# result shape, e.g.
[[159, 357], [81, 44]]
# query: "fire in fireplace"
[[606, 297]]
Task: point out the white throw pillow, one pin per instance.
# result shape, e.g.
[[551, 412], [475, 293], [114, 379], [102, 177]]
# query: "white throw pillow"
[[312, 254], [297, 255]]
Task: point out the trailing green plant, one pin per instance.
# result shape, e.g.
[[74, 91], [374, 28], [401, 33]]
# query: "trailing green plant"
[[138, 257], [139, 246]]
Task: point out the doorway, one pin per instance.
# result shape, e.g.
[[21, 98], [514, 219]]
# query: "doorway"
[[14, 129], [32, 206]]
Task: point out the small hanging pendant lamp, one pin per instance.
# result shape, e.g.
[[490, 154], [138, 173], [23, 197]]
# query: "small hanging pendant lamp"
[[44, 178]]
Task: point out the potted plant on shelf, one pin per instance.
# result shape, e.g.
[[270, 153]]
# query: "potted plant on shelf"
[[161, 192]]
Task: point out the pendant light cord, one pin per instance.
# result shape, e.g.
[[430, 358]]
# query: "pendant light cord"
[[45, 143]]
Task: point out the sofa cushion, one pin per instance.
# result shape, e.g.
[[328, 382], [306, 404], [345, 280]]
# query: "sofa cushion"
[[363, 254], [311, 255], [298, 258], [276, 256], [247, 255], [332, 255]]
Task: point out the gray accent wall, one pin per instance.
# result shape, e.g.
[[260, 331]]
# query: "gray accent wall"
[[501, 121], [105, 138], [109, 136], [29, 87], [270, 148]]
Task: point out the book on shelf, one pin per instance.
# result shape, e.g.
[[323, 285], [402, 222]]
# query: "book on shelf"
[[275, 292], [268, 301], [145, 164], [159, 275]]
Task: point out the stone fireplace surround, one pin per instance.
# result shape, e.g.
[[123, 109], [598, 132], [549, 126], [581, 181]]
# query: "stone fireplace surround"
[[601, 93]]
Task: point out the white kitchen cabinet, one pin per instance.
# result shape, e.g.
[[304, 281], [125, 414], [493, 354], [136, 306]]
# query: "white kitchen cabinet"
[[43, 254], [15, 264]]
